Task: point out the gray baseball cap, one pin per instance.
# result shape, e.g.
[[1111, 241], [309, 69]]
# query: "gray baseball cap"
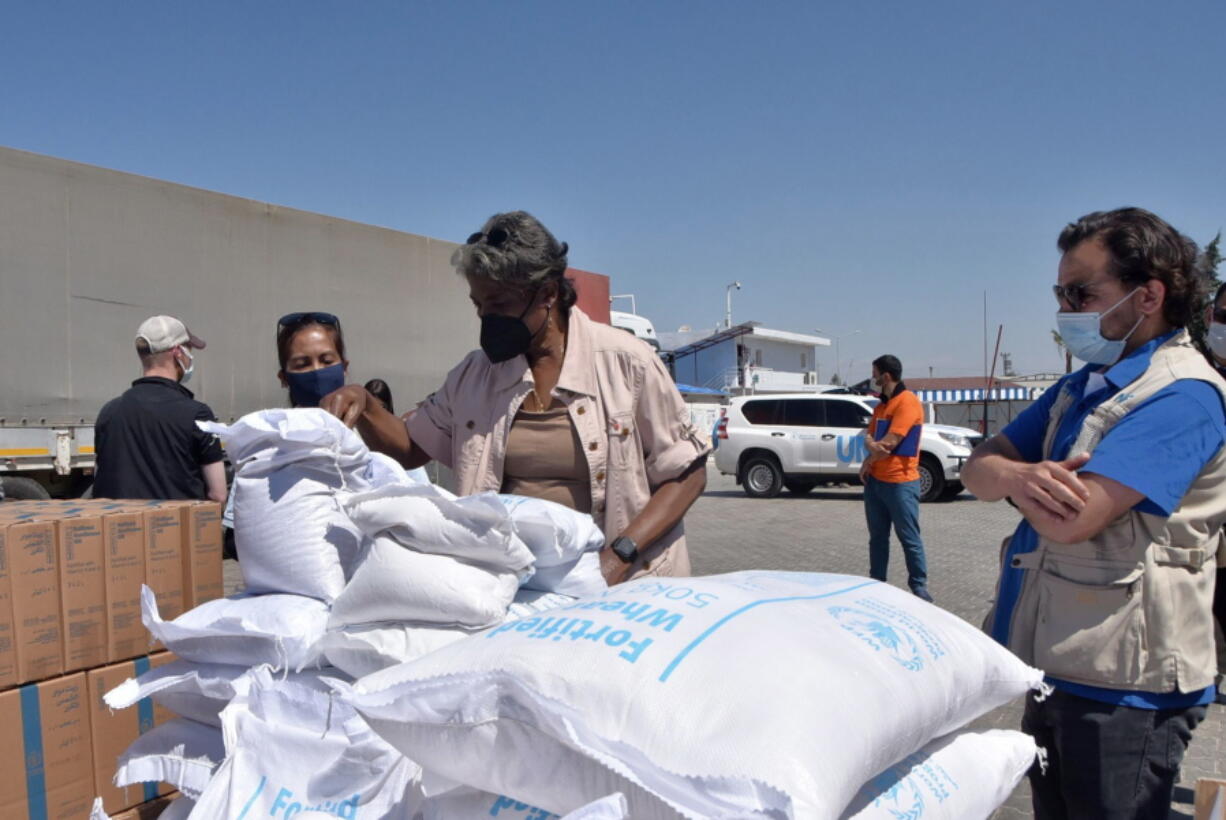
[[162, 333]]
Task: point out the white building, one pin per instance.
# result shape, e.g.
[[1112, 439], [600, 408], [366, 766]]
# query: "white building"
[[748, 358]]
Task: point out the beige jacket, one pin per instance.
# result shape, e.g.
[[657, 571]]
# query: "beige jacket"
[[635, 429], [1129, 608]]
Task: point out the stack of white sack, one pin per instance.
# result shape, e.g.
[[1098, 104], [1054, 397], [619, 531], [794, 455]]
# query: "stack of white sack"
[[436, 568], [217, 643], [298, 547], [281, 747], [291, 466], [428, 568], [754, 694]]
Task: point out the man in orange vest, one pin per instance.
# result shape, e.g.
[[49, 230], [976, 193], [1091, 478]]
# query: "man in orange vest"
[[890, 476]]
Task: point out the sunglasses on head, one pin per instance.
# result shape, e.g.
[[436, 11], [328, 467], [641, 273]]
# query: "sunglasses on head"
[[307, 317], [494, 238]]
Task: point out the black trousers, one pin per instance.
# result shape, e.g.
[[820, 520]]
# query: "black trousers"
[[1219, 599], [1106, 762]]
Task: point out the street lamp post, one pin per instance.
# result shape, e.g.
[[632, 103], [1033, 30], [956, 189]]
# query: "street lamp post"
[[728, 297], [837, 357]]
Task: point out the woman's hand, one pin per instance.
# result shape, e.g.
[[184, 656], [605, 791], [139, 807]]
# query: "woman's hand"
[[348, 404]]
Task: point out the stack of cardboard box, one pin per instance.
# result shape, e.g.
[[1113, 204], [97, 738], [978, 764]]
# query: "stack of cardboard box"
[[70, 630]]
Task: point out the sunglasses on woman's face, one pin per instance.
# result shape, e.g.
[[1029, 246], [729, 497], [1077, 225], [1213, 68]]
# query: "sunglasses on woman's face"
[[308, 317], [1075, 294], [1219, 316], [494, 238]]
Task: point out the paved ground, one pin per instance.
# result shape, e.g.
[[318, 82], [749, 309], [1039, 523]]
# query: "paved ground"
[[824, 532]]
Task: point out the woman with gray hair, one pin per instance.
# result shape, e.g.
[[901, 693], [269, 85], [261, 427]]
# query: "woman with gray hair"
[[553, 406]]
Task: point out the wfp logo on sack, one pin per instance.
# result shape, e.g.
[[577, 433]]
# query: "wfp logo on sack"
[[895, 640], [901, 799]]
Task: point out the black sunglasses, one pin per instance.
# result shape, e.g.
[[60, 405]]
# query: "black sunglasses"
[[1075, 294], [1219, 316], [307, 317], [494, 238]]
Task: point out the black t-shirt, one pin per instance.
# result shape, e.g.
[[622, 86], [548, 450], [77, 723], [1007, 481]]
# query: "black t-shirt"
[[147, 444]]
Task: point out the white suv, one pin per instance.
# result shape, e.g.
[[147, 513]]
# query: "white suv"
[[800, 440]]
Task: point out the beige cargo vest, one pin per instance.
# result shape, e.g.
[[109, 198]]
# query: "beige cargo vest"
[[1130, 607]]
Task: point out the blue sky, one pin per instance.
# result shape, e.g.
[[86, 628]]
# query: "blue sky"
[[871, 167]]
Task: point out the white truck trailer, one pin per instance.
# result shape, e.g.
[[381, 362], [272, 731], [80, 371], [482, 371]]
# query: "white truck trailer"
[[87, 253]]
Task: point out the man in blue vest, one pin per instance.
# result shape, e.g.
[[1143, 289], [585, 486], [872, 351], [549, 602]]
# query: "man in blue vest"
[[1117, 470]]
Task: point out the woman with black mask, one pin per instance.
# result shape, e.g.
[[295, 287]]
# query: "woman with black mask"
[[553, 406], [311, 349]]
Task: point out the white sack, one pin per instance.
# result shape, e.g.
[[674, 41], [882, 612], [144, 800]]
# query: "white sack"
[[199, 691], [245, 630], [362, 650], [474, 528], [470, 804], [289, 528], [963, 776], [395, 583], [749, 694], [556, 534], [291, 749], [578, 579], [180, 752]]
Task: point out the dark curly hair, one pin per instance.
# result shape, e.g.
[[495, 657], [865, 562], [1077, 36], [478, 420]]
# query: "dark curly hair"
[[516, 249], [1143, 246]]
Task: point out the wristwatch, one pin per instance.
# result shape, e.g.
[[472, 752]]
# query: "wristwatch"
[[624, 548]]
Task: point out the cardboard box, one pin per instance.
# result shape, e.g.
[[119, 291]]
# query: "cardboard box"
[[8, 632], [202, 547], [47, 761], [123, 534], [164, 537], [82, 551], [112, 732], [1210, 799], [34, 592]]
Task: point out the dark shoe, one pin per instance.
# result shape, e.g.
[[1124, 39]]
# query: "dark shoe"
[[922, 593]]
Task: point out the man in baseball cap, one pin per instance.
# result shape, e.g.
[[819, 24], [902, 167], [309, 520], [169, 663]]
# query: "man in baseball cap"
[[147, 444]]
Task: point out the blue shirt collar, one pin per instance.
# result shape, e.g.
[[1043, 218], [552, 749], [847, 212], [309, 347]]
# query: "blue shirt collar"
[[1127, 369]]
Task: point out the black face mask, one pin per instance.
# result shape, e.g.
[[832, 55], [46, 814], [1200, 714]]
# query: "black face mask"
[[505, 337]]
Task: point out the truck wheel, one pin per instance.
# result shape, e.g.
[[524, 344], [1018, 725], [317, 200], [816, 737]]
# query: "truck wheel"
[[17, 488], [931, 478], [799, 486], [761, 477]]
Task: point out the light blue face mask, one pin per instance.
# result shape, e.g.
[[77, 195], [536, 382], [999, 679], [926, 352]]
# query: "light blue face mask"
[[190, 369], [1083, 336]]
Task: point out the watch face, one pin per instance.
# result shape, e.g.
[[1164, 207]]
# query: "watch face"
[[625, 549]]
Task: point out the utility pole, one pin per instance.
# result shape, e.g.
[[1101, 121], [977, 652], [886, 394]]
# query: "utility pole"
[[728, 297]]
